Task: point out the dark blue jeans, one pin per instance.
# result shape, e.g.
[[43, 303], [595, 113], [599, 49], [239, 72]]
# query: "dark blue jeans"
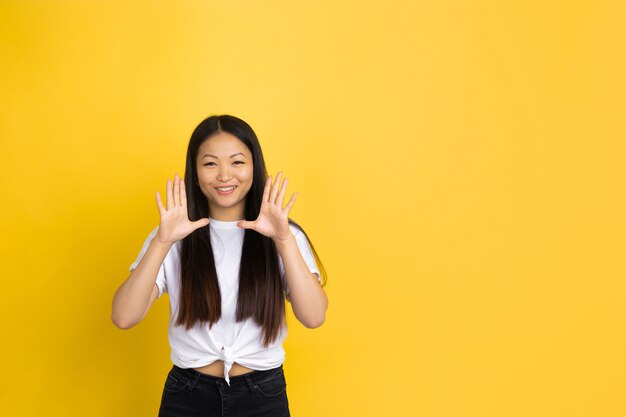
[[190, 393]]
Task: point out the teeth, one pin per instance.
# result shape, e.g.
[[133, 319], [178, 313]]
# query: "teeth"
[[226, 189]]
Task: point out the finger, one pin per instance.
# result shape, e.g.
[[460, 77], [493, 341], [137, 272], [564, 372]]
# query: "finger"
[[266, 190], [168, 193], [281, 194], [245, 224], [200, 223], [274, 191], [290, 203], [183, 194], [159, 203], [176, 190]]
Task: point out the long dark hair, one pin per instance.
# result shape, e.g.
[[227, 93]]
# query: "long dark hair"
[[261, 294]]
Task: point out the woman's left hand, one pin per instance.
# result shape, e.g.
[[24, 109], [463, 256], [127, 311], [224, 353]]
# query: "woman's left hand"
[[273, 220]]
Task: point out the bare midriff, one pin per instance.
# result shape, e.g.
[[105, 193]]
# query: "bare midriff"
[[217, 369]]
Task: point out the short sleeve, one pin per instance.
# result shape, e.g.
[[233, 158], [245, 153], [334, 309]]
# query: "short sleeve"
[[160, 280], [307, 254]]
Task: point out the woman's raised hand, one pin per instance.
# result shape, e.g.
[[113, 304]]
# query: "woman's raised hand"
[[175, 224], [273, 220]]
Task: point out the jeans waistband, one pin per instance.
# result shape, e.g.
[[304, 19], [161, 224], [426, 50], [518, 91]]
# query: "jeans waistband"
[[196, 376]]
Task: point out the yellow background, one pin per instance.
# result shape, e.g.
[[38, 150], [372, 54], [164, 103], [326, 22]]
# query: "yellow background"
[[459, 167]]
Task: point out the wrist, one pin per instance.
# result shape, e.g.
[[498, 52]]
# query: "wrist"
[[284, 241], [162, 245]]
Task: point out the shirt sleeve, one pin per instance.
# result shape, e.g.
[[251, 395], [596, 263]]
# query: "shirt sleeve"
[[160, 280], [307, 254]]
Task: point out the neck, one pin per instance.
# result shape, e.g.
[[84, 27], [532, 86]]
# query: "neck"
[[227, 214]]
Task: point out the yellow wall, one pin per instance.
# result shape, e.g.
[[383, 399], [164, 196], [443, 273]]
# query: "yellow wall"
[[459, 167]]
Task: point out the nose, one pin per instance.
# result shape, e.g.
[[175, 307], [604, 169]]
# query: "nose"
[[224, 173]]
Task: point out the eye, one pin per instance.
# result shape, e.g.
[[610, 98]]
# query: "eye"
[[236, 162]]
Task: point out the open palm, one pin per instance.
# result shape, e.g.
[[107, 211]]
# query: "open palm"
[[175, 224], [273, 219]]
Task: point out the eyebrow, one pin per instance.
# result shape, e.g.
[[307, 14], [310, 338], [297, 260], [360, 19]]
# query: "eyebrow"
[[233, 155]]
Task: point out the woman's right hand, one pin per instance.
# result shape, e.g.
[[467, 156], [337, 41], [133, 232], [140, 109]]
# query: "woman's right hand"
[[175, 224]]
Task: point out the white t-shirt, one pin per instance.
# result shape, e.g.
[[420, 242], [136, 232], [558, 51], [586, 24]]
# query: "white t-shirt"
[[227, 340]]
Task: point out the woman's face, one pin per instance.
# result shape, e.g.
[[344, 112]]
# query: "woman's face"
[[224, 161]]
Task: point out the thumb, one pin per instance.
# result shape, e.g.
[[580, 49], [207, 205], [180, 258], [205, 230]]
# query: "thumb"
[[200, 223], [244, 224]]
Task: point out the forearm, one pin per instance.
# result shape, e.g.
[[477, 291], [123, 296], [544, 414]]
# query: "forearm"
[[308, 299], [131, 298]]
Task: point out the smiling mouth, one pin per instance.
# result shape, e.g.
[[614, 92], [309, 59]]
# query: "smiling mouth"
[[225, 190]]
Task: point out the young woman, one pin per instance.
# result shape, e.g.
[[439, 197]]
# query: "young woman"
[[228, 255]]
